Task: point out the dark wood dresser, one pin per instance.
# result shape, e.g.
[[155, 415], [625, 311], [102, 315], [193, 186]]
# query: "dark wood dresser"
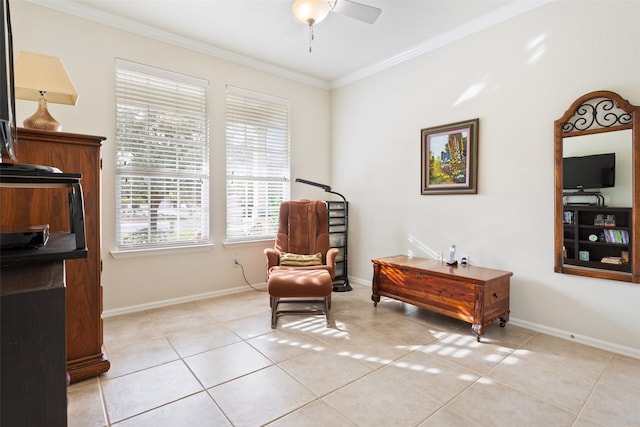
[[473, 294], [33, 362], [33, 365], [71, 153]]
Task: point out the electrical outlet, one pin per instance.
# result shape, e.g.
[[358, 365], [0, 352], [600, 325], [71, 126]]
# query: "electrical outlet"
[[236, 260]]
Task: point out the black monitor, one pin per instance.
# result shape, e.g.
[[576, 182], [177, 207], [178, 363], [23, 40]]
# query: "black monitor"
[[589, 172]]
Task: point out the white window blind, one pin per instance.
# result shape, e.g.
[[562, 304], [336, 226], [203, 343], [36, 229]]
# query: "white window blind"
[[258, 163], [162, 165]]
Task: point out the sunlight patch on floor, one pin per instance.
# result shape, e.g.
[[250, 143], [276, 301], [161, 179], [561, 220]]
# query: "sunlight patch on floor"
[[291, 343]]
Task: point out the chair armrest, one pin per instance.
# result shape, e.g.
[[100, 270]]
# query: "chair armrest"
[[332, 254], [273, 257]]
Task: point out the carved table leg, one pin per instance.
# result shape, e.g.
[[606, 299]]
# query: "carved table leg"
[[504, 319], [478, 330], [375, 284], [376, 299]]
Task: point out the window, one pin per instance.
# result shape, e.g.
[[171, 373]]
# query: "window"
[[258, 163], [162, 164]]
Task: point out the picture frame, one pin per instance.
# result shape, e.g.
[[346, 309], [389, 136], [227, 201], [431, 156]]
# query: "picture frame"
[[583, 255], [598, 220], [449, 158], [568, 217], [610, 220]]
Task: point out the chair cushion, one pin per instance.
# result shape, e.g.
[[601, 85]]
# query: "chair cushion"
[[299, 283], [299, 260]]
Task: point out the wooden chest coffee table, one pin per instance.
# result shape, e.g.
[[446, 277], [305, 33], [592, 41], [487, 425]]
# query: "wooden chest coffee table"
[[473, 294]]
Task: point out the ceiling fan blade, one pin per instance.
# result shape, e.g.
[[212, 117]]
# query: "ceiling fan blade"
[[359, 11]]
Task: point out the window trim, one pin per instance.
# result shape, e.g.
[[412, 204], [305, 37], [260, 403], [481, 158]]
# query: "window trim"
[[204, 172], [169, 250], [286, 180]]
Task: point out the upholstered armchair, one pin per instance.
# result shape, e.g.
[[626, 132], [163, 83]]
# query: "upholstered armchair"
[[303, 232], [302, 265]]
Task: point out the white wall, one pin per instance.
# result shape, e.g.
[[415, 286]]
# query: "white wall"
[[88, 51], [524, 74]]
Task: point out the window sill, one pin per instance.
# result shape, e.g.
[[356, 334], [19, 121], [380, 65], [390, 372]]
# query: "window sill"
[[135, 253], [236, 243]]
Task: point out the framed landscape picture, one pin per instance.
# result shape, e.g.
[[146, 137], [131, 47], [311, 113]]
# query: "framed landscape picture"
[[449, 157]]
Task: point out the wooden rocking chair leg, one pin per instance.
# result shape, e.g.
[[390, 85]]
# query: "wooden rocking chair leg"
[[274, 311], [327, 307]]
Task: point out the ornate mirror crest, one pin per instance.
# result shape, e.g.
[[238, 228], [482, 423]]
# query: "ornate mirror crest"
[[596, 113]]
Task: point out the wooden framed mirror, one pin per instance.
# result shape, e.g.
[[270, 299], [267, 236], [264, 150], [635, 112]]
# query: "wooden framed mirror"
[[596, 230]]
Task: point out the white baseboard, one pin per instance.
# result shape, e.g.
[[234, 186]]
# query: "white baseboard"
[[181, 300], [586, 340]]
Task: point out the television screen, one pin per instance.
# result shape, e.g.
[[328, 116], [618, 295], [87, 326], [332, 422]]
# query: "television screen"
[[8, 133], [589, 172]]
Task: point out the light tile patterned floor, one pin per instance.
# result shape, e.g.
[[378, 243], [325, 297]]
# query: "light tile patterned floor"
[[217, 362]]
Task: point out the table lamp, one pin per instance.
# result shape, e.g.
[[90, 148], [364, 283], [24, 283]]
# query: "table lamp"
[[43, 78]]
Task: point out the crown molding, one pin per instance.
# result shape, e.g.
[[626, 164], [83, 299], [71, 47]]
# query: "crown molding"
[[482, 22], [82, 11]]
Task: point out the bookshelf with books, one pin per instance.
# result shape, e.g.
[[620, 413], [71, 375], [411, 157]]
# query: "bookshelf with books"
[[597, 237]]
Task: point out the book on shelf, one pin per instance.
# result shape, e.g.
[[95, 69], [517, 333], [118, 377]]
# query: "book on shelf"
[[616, 236], [611, 260]]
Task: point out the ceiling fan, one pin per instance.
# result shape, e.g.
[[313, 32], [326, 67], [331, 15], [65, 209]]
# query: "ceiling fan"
[[313, 12]]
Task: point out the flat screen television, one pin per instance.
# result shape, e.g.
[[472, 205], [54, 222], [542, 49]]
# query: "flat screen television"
[[589, 172], [8, 130]]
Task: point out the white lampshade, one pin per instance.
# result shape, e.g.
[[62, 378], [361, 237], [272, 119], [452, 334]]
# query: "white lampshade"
[[35, 73], [310, 11]]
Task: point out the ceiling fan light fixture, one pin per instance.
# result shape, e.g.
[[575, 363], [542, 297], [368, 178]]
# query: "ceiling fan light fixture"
[[310, 11]]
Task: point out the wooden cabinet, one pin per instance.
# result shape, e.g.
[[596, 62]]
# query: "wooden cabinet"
[[473, 294], [597, 237], [33, 363], [71, 153]]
